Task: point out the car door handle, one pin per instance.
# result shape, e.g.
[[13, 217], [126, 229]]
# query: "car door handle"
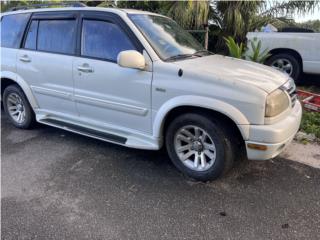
[[85, 68], [25, 58]]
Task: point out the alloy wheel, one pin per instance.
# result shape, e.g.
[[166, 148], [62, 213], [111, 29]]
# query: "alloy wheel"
[[16, 108], [195, 148], [283, 65]]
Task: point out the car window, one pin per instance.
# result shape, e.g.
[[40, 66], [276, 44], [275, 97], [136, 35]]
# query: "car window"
[[166, 36], [57, 36], [31, 40], [12, 28], [101, 39]]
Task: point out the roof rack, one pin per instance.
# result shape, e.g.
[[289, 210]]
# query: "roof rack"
[[45, 5]]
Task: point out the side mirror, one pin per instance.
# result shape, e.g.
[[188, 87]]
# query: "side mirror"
[[131, 59]]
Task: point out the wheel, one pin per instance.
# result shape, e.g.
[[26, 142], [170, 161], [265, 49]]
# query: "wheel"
[[199, 146], [286, 63], [17, 107]]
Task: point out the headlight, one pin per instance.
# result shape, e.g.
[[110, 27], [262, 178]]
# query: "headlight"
[[276, 103]]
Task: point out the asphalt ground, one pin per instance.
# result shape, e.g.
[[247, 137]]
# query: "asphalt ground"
[[59, 185]]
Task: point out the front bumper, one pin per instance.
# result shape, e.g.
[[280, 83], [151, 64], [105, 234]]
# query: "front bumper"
[[268, 141]]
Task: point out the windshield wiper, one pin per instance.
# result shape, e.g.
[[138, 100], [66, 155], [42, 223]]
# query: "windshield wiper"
[[201, 53], [179, 56]]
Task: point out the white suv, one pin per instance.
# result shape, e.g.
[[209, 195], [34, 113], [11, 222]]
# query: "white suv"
[[137, 79]]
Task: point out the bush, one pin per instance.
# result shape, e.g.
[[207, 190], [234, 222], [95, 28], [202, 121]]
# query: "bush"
[[311, 123], [253, 53]]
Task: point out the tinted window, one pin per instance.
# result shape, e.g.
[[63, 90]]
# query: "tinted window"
[[12, 28], [57, 36], [103, 40], [31, 40]]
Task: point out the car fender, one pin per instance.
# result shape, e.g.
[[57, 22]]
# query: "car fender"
[[205, 102], [24, 86]]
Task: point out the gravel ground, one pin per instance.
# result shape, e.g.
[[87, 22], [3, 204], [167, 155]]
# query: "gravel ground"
[[59, 185]]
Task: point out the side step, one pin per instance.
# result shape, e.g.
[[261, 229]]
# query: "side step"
[[84, 131]]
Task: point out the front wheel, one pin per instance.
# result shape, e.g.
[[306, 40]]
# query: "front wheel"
[[199, 147]]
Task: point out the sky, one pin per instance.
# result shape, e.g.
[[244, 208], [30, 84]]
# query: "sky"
[[311, 16]]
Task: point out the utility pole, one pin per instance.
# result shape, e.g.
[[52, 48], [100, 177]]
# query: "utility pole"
[[206, 27]]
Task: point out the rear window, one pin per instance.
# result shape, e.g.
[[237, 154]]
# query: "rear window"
[[12, 28], [57, 36]]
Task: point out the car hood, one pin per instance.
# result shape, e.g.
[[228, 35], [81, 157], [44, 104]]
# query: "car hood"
[[236, 70]]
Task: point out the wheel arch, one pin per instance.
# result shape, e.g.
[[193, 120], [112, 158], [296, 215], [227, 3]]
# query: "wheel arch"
[[214, 108], [290, 51], [8, 78]]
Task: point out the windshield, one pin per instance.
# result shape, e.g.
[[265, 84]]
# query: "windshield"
[[166, 37]]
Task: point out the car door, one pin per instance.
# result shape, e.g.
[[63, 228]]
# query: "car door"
[[45, 60], [105, 92]]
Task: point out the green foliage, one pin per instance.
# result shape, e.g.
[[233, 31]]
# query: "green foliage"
[[235, 50], [311, 123], [256, 55], [312, 24], [231, 18], [287, 8], [236, 18], [106, 4], [6, 5], [151, 6], [188, 14]]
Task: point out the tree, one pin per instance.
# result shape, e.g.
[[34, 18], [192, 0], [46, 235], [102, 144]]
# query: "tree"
[[151, 6], [236, 18], [188, 14], [6, 5], [314, 25], [107, 3], [231, 18]]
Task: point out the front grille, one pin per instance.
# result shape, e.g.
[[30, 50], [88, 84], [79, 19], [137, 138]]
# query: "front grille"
[[290, 88], [293, 95]]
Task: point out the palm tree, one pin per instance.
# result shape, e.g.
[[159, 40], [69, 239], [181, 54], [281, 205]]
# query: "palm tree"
[[189, 14], [232, 18], [236, 18]]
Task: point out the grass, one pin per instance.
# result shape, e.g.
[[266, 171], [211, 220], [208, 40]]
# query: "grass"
[[311, 123], [312, 88], [311, 120]]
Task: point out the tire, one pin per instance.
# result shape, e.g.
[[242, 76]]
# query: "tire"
[[286, 58], [14, 98], [216, 133]]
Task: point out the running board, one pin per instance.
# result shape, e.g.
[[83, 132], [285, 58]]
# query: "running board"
[[84, 131]]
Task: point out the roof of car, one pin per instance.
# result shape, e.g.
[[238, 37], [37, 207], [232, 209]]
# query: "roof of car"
[[114, 10]]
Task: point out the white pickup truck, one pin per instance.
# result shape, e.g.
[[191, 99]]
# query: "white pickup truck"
[[291, 52]]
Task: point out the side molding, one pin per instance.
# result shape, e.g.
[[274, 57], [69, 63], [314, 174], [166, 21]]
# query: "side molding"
[[204, 102], [23, 84]]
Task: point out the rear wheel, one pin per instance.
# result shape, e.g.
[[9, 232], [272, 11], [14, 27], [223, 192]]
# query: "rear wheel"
[[17, 107], [199, 147], [286, 63]]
